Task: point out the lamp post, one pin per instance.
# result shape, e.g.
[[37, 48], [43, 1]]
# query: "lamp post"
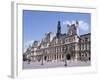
[[42, 58], [65, 51]]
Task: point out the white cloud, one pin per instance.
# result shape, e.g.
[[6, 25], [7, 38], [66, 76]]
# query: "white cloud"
[[27, 44], [73, 22], [83, 25], [66, 22]]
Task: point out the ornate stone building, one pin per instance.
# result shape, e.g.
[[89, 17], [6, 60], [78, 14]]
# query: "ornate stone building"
[[57, 47], [85, 46]]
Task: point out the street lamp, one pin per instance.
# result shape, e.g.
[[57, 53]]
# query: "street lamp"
[[42, 58], [65, 51]]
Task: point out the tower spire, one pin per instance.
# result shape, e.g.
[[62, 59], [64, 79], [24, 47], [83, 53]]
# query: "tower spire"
[[58, 34]]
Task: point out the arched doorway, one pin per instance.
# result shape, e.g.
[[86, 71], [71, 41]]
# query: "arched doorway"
[[38, 58], [68, 56], [45, 58]]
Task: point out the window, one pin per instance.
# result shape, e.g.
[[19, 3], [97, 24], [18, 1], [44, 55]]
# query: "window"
[[86, 39]]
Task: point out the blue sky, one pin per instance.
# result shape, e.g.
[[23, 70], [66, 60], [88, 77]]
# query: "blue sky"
[[37, 23]]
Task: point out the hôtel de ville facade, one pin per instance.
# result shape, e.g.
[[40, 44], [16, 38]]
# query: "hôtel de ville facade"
[[58, 46]]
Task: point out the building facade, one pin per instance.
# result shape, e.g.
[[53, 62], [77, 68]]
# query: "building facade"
[[61, 46]]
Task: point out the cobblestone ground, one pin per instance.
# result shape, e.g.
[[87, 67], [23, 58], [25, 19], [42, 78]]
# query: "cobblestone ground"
[[37, 65]]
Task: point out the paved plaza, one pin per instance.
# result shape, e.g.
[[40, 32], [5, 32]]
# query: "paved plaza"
[[37, 65]]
